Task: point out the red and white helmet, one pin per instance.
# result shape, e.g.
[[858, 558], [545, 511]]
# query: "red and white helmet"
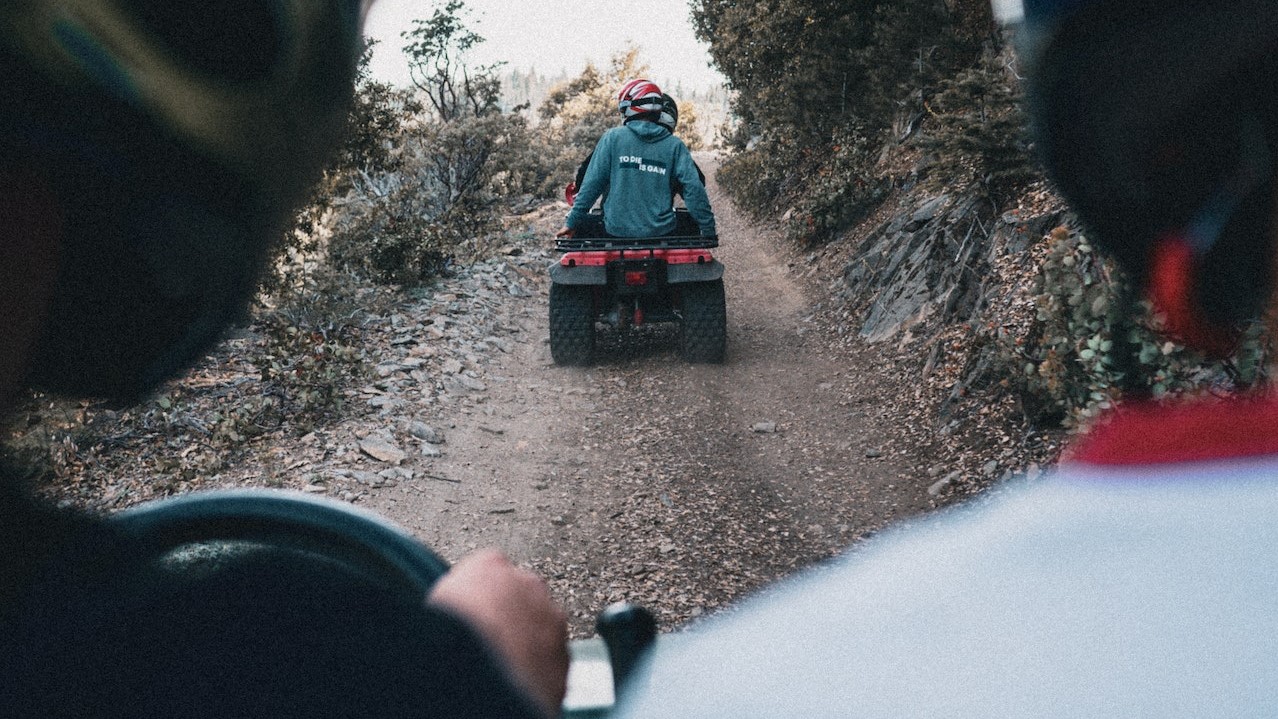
[[638, 97]]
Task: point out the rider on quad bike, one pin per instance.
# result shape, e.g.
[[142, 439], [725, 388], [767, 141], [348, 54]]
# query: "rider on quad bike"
[[643, 260], [637, 168], [593, 225]]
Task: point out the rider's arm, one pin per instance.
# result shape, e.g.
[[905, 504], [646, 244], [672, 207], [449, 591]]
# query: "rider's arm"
[[595, 182], [694, 190]]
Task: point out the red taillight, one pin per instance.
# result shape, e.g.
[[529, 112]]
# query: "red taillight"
[[636, 278]]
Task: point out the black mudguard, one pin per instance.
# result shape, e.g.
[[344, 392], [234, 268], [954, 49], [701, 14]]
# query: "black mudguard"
[[582, 275], [700, 272]]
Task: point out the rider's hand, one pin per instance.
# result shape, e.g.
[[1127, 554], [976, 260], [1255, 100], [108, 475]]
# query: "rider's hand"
[[513, 611], [565, 232]]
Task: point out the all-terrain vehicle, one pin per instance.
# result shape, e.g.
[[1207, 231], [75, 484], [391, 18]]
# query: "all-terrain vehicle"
[[624, 282]]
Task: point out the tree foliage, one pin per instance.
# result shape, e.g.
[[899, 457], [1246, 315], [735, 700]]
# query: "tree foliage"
[[818, 85], [979, 132], [809, 66], [377, 112], [577, 112], [437, 50], [447, 166]]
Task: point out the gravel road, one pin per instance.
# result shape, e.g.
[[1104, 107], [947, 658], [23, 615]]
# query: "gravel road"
[[680, 487]]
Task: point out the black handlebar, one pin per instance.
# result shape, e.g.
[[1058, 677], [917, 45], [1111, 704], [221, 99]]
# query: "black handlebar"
[[289, 519], [629, 632]]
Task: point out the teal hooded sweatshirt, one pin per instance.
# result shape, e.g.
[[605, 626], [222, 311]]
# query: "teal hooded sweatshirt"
[[637, 165]]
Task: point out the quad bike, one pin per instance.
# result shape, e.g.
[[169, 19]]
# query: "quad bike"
[[625, 282], [204, 533]]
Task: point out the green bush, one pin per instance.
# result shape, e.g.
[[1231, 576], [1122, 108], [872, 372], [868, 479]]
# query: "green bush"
[[309, 355], [1073, 366], [306, 371], [817, 194], [389, 242], [408, 225], [577, 113], [446, 168], [979, 132], [818, 86], [377, 114], [752, 180], [839, 190]]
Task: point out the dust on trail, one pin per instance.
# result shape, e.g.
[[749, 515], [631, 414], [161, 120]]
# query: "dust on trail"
[[643, 477]]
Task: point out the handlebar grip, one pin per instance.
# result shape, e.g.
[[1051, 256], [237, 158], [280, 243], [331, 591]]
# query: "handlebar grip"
[[629, 632]]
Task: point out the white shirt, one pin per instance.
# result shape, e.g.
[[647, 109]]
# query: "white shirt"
[[1097, 592]]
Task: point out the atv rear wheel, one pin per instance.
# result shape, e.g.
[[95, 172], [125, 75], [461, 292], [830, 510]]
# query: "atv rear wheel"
[[703, 334], [572, 324]]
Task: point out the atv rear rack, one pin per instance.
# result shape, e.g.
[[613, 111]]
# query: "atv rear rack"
[[682, 242]]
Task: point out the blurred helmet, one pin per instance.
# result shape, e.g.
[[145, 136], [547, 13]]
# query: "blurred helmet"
[[1157, 120], [177, 139], [669, 117], [639, 97]]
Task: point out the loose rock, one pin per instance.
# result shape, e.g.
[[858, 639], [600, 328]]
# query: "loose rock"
[[938, 488], [382, 450], [425, 432]]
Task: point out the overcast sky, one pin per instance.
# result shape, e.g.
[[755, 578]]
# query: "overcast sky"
[[555, 35]]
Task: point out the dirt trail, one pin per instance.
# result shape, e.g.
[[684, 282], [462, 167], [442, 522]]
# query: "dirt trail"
[[649, 479]]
